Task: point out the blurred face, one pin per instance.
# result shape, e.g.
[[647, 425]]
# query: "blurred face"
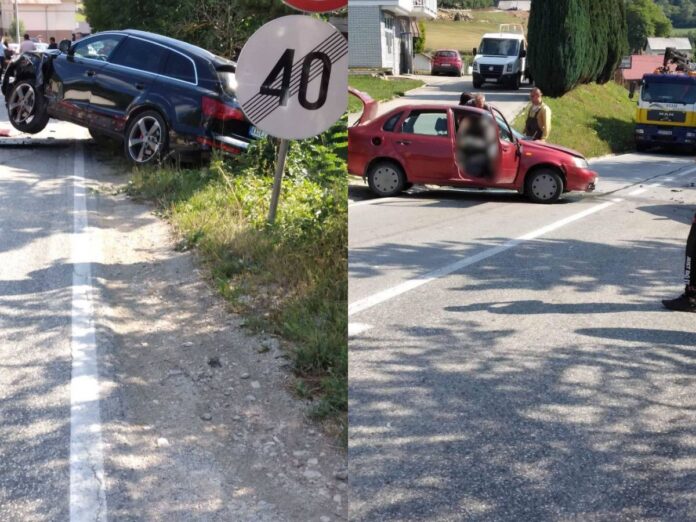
[[535, 97], [479, 102]]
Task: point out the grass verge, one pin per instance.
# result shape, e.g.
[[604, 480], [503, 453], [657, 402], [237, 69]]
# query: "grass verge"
[[380, 89], [466, 34], [592, 119], [289, 278]]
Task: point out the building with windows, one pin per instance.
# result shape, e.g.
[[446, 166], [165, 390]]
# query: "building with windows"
[[42, 18], [382, 32]]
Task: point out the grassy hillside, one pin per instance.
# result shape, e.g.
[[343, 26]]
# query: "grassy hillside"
[[466, 35], [592, 119]]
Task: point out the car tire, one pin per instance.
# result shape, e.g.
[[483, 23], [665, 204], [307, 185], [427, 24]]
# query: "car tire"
[[641, 147], [146, 139], [543, 185], [517, 81], [26, 108], [386, 179], [477, 84]]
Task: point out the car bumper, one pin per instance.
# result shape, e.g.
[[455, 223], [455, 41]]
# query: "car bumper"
[[583, 180], [494, 77], [445, 69], [664, 134]]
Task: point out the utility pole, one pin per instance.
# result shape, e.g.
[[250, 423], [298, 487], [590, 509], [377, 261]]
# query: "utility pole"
[[16, 22]]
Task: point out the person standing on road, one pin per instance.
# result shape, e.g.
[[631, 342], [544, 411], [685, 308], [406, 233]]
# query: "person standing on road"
[[687, 301], [52, 43], [27, 45], [538, 125]]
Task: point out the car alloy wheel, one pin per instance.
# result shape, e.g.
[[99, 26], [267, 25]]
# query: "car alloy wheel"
[[22, 104], [145, 140]]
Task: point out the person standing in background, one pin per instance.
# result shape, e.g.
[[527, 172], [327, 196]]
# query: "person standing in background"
[[52, 43], [27, 45], [538, 124]]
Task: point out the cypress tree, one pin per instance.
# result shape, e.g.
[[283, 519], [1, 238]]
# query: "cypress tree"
[[574, 41]]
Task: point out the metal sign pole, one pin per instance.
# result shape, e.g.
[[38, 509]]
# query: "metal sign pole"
[[16, 10], [280, 168]]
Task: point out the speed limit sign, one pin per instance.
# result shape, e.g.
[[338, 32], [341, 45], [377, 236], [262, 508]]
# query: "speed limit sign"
[[292, 77], [317, 6]]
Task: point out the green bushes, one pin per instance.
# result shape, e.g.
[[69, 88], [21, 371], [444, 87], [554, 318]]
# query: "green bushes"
[[575, 41]]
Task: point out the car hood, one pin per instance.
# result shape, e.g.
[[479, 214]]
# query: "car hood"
[[537, 145], [494, 60]]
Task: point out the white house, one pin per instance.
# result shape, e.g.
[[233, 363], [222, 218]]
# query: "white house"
[[657, 45], [382, 32], [41, 18]]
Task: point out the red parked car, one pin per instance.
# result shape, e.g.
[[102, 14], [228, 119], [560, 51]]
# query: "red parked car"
[[447, 61], [416, 144]]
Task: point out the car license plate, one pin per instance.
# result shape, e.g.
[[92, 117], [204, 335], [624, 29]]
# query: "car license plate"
[[446, 65], [665, 132], [492, 80], [256, 133]]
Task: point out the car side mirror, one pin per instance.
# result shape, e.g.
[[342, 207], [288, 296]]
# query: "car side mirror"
[[523, 53], [475, 53], [64, 46]]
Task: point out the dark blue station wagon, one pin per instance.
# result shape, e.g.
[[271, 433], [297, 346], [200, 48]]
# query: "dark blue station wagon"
[[157, 94]]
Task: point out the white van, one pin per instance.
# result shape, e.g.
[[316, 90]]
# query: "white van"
[[502, 58]]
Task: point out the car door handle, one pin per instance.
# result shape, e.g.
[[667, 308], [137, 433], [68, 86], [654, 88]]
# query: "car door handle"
[[403, 142], [91, 72], [140, 86]]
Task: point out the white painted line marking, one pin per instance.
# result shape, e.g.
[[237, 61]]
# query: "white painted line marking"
[[407, 286], [644, 189], [357, 328], [690, 171], [370, 202], [87, 490]]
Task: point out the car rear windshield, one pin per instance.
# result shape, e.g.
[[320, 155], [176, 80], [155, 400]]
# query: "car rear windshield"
[[499, 47], [669, 93], [446, 54]]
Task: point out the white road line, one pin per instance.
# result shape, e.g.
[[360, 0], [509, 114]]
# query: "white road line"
[[87, 489], [390, 293], [357, 328], [644, 189], [370, 202], [690, 171]]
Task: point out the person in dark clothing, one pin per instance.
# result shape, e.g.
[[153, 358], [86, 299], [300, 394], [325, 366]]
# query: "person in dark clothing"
[[687, 301], [465, 98], [52, 43]]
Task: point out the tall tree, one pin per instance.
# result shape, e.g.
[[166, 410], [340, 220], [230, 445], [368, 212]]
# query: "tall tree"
[[221, 26], [574, 41], [645, 19]]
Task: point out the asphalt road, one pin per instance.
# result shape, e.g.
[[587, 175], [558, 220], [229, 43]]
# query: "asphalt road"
[[448, 89], [512, 361], [110, 406]]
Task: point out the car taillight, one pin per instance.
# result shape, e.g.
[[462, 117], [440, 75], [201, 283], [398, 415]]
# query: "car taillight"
[[219, 110]]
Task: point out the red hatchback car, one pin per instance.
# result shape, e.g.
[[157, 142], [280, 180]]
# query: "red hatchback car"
[[416, 144], [447, 61]]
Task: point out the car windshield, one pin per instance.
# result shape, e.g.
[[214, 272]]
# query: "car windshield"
[[499, 47], [669, 92], [505, 130], [446, 54]]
